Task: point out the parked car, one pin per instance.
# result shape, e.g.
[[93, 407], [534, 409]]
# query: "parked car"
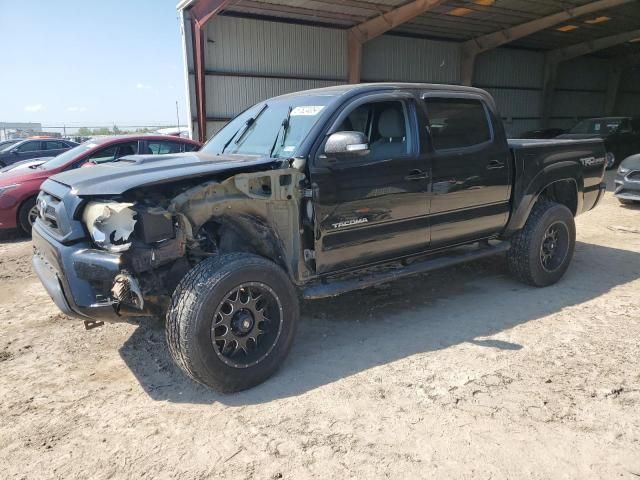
[[621, 136], [627, 180], [32, 148], [320, 193], [543, 133], [19, 186], [7, 143]]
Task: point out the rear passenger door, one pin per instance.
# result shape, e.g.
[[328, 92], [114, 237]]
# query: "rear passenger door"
[[470, 168]]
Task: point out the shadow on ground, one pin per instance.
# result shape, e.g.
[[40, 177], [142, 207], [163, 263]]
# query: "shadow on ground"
[[12, 236], [346, 335]]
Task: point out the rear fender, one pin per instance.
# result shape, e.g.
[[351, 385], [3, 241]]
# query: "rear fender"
[[558, 172]]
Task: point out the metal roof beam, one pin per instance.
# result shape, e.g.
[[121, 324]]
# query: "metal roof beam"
[[494, 40], [471, 48], [374, 27], [585, 48]]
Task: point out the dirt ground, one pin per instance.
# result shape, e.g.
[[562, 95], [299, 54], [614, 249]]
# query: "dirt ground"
[[464, 373]]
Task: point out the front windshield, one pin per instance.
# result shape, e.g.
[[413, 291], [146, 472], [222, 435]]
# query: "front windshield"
[[7, 147], [603, 126], [67, 156], [242, 136]]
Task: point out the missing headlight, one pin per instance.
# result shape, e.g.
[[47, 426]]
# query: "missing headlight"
[[110, 224]]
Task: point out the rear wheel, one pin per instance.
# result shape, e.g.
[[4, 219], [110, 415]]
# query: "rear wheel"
[[541, 252], [27, 215], [232, 321]]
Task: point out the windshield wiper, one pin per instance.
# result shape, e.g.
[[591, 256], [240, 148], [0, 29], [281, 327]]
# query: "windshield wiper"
[[244, 128], [284, 127]]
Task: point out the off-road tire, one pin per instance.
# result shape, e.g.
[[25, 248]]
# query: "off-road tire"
[[191, 314], [524, 259], [23, 216]]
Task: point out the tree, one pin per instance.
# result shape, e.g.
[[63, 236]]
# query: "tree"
[[84, 132]]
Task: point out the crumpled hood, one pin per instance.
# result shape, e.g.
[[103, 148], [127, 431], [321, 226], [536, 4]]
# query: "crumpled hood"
[[136, 171]]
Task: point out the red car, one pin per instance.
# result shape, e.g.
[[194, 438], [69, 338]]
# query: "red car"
[[20, 186]]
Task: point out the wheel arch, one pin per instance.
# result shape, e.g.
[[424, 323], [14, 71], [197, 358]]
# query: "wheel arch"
[[560, 182], [21, 204]]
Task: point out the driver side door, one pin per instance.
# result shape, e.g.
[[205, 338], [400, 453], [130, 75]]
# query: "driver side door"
[[372, 207]]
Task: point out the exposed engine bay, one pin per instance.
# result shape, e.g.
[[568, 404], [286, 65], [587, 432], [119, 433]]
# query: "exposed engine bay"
[[160, 235]]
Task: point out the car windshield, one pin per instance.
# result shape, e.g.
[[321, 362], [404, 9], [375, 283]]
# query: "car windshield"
[[67, 156], [604, 126], [8, 146], [263, 129]]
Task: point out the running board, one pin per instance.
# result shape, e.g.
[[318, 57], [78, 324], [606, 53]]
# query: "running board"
[[338, 287]]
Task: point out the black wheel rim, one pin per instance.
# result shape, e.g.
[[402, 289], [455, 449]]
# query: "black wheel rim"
[[247, 325], [32, 215], [554, 247]]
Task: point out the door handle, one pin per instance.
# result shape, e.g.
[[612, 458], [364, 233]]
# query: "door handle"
[[417, 175], [495, 164]]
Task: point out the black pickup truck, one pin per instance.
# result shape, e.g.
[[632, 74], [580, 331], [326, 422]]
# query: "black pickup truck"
[[314, 193]]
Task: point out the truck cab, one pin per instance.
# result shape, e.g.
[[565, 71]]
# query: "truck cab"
[[315, 193]]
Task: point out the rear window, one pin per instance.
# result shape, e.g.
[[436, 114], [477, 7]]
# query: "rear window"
[[457, 122]]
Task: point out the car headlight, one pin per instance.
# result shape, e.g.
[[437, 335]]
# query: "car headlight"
[[110, 224], [7, 188], [623, 171]]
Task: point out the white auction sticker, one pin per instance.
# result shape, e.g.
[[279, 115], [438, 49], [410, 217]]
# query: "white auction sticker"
[[309, 110]]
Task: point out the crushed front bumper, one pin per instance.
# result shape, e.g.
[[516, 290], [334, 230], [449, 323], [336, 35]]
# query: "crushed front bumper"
[[79, 278]]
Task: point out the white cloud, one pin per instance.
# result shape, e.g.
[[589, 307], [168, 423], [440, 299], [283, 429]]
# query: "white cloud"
[[142, 86], [38, 107], [76, 109]]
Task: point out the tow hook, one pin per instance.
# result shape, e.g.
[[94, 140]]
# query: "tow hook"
[[91, 324]]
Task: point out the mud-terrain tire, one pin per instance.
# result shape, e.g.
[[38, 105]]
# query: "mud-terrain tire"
[[217, 309], [24, 216], [528, 259]]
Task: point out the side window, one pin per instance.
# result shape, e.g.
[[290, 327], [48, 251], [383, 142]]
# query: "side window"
[[385, 126], [457, 122], [54, 145], [30, 147], [129, 148], [160, 147], [105, 155], [189, 147]]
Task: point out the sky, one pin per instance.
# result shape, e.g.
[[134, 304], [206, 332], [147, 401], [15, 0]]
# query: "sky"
[[91, 62]]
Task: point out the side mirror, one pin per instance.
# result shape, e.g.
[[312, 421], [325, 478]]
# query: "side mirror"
[[14, 151], [346, 145]]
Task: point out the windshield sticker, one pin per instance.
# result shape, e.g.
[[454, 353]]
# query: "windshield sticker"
[[307, 110], [289, 148]]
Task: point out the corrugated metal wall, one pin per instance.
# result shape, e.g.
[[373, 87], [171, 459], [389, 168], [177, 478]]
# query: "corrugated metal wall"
[[248, 60], [515, 79], [421, 60]]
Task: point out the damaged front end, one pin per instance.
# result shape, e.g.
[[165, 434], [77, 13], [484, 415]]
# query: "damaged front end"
[[143, 243]]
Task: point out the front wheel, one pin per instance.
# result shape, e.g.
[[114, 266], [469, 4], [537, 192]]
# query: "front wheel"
[[541, 252], [232, 321], [27, 215]]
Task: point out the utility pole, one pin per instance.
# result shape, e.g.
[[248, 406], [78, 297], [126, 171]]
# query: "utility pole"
[[178, 117]]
